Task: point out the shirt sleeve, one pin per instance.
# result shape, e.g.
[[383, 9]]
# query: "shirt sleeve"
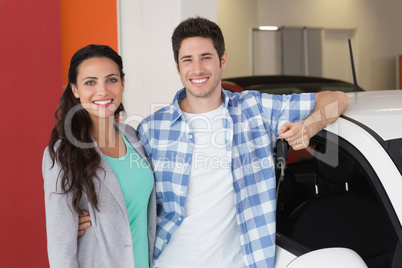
[[287, 108], [143, 135], [61, 218]]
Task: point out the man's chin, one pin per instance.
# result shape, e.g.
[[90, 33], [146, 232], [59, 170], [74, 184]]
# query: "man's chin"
[[200, 93]]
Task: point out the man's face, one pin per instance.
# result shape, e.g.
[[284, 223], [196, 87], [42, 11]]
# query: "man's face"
[[200, 68]]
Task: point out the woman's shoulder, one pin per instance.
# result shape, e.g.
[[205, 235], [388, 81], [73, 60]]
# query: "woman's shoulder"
[[125, 128], [130, 133], [50, 166], [53, 148]]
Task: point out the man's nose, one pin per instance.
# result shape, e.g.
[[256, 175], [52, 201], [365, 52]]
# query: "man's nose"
[[198, 66]]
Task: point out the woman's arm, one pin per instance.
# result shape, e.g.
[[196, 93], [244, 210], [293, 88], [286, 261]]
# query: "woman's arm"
[[61, 218]]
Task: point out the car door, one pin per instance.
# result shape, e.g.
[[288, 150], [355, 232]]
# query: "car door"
[[333, 197]]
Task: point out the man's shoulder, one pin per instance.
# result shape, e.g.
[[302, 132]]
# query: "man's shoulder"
[[245, 98], [162, 114]]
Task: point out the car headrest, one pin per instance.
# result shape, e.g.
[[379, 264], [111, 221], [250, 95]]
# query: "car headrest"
[[333, 166]]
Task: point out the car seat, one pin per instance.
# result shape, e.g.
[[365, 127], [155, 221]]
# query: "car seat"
[[342, 218]]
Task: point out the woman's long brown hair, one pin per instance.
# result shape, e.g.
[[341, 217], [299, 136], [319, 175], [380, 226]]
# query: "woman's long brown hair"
[[78, 163]]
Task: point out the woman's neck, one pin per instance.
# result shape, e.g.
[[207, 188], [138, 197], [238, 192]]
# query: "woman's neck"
[[104, 132], [109, 141]]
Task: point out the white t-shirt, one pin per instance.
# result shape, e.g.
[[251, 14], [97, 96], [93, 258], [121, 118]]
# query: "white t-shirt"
[[208, 236]]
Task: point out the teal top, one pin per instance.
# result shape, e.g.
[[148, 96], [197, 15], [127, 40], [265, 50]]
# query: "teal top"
[[136, 182]]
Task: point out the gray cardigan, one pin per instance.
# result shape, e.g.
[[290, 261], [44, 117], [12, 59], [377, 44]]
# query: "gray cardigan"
[[108, 243]]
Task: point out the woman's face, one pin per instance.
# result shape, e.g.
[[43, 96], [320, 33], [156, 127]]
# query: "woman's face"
[[99, 87]]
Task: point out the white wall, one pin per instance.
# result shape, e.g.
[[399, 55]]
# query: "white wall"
[[146, 26], [376, 41], [145, 29], [236, 18], [204, 8]]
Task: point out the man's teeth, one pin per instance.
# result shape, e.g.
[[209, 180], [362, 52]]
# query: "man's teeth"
[[103, 102], [197, 81]]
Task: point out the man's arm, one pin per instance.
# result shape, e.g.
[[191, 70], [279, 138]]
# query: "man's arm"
[[329, 105]]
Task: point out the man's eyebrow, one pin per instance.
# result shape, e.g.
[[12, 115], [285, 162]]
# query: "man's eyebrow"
[[207, 54], [185, 57], [203, 55]]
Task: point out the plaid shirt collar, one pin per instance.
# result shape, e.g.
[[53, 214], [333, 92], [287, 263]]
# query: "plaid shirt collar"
[[181, 95]]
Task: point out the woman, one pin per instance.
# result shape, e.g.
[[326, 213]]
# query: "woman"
[[96, 164]]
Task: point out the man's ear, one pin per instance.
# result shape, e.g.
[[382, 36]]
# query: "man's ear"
[[74, 89], [224, 60], [177, 67]]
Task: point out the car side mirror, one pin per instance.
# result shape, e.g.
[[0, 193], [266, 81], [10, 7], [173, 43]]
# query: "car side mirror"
[[328, 258]]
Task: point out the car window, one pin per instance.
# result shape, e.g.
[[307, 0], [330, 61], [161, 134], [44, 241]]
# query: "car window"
[[330, 200]]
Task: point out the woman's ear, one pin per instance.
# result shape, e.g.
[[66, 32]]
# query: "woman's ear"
[[122, 82], [74, 89]]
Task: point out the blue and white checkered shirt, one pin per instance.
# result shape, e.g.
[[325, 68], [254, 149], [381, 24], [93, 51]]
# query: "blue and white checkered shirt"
[[251, 123]]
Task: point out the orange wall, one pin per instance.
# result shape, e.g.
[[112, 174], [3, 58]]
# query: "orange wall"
[[30, 71], [85, 22]]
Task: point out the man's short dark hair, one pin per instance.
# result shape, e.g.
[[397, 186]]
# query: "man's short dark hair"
[[198, 27]]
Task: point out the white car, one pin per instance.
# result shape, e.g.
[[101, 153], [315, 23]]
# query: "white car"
[[346, 201]]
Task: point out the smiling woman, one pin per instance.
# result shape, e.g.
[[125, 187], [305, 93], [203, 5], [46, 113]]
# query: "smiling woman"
[[96, 164], [99, 87]]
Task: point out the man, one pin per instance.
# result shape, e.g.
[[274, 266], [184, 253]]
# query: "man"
[[211, 151]]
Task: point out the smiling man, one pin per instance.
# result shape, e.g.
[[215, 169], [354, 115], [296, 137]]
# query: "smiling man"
[[211, 151], [200, 68]]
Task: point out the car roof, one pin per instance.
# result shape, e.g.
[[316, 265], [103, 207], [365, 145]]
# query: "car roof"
[[281, 80], [381, 111], [285, 84]]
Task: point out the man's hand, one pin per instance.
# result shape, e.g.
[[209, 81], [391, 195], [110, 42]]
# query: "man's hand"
[[84, 222], [295, 134], [328, 107]]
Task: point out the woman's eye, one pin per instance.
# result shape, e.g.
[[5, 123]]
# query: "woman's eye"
[[90, 83], [112, 80]]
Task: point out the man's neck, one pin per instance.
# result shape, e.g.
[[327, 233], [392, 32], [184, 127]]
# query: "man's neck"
[[196, 105]]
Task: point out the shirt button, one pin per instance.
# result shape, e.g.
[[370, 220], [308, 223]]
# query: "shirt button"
[[165, 240], [180, 219], [181, 192], [190, 136]]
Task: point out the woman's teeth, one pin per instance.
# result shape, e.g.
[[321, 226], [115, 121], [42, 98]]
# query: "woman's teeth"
[[102, 102]]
